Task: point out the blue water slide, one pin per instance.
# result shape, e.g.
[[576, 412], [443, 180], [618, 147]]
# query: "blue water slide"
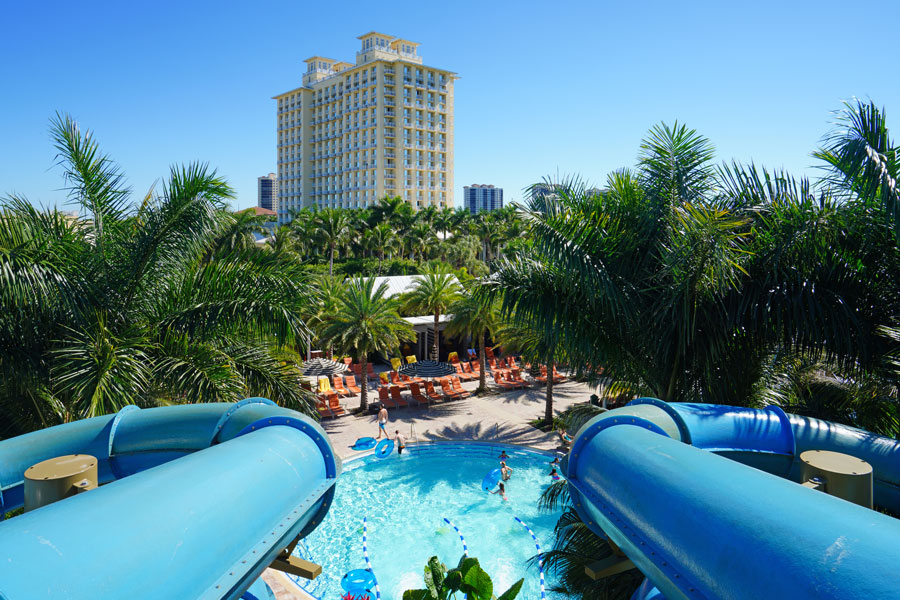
[[699, 498], [198, 501]]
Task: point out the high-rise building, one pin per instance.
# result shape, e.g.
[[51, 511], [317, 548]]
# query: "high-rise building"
[[477, 198], [353, 133], [267, 192]]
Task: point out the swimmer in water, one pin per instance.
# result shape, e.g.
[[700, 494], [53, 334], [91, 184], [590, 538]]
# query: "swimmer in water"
[[554, 474], [504, 455], [502, 491], [505, 472]]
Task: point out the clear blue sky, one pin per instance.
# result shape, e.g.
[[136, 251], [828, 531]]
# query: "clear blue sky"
[[545, 87]]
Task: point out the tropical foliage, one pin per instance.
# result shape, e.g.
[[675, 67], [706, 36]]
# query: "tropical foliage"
[[468, 579], [151, 304], [688, 281], [434, 292], [365, 320]]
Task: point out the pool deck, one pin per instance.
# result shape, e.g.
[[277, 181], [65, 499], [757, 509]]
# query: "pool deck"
[[498, 416]]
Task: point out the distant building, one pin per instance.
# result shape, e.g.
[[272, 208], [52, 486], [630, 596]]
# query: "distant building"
[[478, 198], [353, 133], [267, 192]]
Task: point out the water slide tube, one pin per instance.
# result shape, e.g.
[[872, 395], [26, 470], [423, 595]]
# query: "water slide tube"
[[199, 500], [672, 486]]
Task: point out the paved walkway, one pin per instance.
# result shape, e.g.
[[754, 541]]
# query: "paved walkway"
[[500, 416]]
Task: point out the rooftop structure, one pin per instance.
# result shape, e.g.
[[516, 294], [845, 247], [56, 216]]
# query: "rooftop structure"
[[353, 133]]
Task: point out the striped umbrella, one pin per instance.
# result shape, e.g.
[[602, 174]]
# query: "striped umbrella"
[[318, 367], [428, 368]]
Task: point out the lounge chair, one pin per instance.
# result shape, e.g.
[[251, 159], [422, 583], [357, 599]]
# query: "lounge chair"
[[334, 403], [324, 386], [430, 392], [407, 379], [370, 371], [357, 369], [542, 378], [471, 354], [351, 385], [470, 371], [384, 398], [557, 378], [395, 380], [462, 373], [416, 394], [516, 376], [458, 388], [489, 352], [323, 409], [502, 383], [497, 368], [475, 367], [397, 398], [449, 392], [339, 385]]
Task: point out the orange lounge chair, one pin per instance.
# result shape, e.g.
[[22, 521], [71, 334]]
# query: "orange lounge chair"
[[357, 369], [384, 398], [429, 391], [408, 380], [416, 394], [338, 383], [557, 378], [324, 412], [458, 388], [395, 379], [396, 397], [334, 403], [370, 371], [475, 367], [447, 388], [351, 385], [462, 373], [489, 352], [501, 382], [516, 377], [542, 378]]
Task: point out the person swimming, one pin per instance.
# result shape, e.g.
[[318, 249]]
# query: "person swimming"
[[504, 455], [505, 472], [554, 474], [502, 491], [555, 460]]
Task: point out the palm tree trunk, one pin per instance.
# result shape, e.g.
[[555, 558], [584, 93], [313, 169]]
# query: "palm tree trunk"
[[548, 406], [331, 261], [364, 384], [437, 316], [482, 366]]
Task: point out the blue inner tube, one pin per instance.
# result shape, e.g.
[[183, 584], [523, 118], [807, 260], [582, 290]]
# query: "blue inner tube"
[[358, 580], [366, 443], [490, 480], [384, 448]]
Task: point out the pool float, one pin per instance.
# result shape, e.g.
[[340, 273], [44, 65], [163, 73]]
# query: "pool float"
[[490, 480], [358, 581], [366, 443], [384, 448]]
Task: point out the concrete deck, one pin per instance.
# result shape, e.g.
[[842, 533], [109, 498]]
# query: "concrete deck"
[[499, 416]]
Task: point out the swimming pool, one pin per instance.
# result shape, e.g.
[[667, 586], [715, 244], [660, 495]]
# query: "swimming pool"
[[405, 498]]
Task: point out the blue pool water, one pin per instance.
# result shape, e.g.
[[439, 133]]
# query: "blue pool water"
[[405, 499]]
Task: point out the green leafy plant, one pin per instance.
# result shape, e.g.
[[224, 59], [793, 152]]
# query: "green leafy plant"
[[467, 578]]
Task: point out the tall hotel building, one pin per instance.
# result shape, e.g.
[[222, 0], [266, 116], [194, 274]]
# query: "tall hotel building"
[[355, 133]]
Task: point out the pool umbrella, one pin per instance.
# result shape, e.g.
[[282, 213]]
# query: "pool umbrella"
[[319, 367], [427, 368]]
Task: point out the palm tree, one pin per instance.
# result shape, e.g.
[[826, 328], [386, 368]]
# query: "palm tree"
[[332, 227], [390, 210], [419, 239], [475, 317], [489, 230], [366, 321], [538, 347], [136, 305], [381, 239], [434, 291]]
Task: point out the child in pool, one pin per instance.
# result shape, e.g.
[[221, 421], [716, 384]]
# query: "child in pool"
[[555, 460], [554, 474], [502, 491], [505, 472], [504, 455]]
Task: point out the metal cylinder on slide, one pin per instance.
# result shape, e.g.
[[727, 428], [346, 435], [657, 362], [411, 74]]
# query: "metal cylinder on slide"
[[58, 478], [842, 475]]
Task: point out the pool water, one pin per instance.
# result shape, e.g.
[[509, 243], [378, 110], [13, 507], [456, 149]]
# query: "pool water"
[[405, 499]]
